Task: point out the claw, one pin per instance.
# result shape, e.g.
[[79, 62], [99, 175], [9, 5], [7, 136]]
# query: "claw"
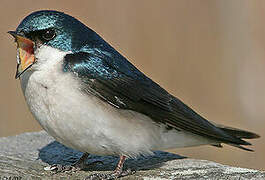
[[50, 168]]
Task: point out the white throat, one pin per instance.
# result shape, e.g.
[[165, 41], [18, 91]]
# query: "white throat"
[[48, 57], [47, 66]]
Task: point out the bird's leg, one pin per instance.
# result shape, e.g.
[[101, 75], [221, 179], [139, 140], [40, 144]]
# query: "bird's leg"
[[117, 173], [119, 167], [77, 166], [81, 163]]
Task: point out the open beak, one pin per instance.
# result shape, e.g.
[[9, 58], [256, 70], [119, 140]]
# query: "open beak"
[[25, 53]]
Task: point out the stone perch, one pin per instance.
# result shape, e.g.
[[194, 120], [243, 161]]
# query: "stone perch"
[[25, 156]]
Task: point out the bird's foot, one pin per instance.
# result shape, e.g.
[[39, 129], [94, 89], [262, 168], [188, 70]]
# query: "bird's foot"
[[115, 174], [77, 166], [58, 168], [110, 176]]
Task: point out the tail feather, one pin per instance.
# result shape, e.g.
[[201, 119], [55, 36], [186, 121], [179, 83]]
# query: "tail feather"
[[238, 133], [241, 147]]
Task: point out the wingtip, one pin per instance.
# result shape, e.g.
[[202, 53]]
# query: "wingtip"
[[254, 136]]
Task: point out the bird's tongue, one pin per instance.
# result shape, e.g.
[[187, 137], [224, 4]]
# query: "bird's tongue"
[[25, 53]]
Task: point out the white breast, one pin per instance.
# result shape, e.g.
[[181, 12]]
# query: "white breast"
[[84, 122]]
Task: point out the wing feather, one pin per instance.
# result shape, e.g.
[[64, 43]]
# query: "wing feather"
[[124, 87]]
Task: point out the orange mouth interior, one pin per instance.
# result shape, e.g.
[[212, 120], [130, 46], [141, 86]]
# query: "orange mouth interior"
[[25, 50]]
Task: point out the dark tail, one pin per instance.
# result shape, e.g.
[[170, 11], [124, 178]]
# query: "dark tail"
[[238, 133]]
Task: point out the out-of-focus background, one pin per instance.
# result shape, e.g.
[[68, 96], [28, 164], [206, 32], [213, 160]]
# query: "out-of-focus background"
[[209, 53]]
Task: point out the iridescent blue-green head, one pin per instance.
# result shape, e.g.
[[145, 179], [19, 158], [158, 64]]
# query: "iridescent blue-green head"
[[54, 29]]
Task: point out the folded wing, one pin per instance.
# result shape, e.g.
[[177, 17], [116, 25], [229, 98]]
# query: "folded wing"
[[123, 86]]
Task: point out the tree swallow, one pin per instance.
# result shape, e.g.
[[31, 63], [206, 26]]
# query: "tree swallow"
[[90, 98]]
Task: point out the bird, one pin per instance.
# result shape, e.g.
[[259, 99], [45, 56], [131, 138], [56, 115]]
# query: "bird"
[[89, 97]]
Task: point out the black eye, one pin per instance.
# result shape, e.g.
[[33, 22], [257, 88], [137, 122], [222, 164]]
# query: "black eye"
[[48, 34]]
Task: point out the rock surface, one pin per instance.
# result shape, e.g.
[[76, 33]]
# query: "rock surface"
[[25, 156]]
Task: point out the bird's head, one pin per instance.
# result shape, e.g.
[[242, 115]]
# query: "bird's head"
[[51, 28]]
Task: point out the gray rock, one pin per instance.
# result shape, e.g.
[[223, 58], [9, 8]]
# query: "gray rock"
[[25, 156]]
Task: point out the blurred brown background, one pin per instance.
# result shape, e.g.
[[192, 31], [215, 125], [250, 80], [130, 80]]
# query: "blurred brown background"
[[209, 53]]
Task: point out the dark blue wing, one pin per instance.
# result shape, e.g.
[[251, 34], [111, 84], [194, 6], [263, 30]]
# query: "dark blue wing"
[[119, 83]]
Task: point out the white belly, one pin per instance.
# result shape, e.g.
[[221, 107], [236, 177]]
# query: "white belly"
[[86, 123]]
